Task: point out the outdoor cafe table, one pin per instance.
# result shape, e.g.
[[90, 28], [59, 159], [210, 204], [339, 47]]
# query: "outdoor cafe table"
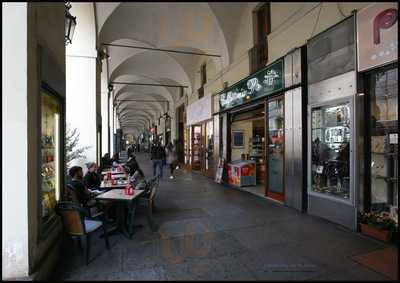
[[119, 175], [116, 186], [114, 173], [124, 224]]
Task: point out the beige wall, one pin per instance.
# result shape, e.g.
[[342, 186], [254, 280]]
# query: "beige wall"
[[292, 25]]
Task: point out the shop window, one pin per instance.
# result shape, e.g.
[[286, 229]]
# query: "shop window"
[[384, 139], [331, 53], [50, 155], [330, 158]]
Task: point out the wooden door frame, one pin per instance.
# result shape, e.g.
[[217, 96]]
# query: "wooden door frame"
[[267, 193]]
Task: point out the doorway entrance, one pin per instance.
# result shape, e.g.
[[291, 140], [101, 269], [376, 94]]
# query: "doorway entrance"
[[209, 151], [180, 148], [275, 156], [196, 147]]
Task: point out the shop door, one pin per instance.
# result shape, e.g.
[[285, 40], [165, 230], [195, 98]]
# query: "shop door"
[[196, 148], [275, 148], [209, 149]]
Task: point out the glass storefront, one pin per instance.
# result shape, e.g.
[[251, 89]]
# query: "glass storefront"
[[384, 139], [50, 154], [196, 147], [330, 158], [275, 146], [210, 145], [248, 145]]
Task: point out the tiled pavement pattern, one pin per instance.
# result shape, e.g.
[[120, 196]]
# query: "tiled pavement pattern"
[[210, 232]]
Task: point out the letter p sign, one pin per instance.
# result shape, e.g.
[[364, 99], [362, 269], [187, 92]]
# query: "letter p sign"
[[384, 20]]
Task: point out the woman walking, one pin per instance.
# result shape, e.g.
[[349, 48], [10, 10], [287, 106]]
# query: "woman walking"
[[170, 151]]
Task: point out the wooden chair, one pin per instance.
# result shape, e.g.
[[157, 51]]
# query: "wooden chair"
[[71, 196], [75, 224]]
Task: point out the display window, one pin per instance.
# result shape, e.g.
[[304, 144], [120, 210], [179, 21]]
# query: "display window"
[[383, 139], [50, 154], [330, 156]]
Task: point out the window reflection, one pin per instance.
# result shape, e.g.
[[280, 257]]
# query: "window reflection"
[[331, 150], [50, 149], [384, 144]]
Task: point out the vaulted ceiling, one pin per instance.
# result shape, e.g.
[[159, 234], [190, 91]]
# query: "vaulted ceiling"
[[196, 27]]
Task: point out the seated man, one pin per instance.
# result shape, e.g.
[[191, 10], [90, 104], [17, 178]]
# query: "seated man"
[[132, 166], [85, 197], [92, 179], [76, 184]]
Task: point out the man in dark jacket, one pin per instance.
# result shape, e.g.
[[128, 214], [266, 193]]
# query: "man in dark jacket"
[[92, 179], [130, 150], [76, 184], [106, 161], [132, 165], [157, 157]]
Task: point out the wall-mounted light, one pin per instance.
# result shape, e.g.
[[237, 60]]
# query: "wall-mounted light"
[[110, 87], [70, 24]]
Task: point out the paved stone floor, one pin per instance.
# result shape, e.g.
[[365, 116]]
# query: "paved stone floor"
[[210, 232]]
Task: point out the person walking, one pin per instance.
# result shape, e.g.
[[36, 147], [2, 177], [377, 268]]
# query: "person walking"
[[130, 150], [157, 156], [171, 158]]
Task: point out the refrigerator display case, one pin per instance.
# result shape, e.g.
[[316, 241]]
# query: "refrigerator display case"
[[242, 173], [331, 145], [50, 154]]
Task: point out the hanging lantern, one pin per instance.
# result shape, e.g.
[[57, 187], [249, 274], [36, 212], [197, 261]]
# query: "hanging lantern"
[[70, 24]]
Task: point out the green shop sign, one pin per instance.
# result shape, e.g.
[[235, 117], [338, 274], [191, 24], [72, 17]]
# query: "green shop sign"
[[262, 83]]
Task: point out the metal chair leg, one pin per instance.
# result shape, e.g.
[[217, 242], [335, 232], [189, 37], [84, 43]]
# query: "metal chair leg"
[[106, 237], [87, 248], [150, 219], [80, 243]]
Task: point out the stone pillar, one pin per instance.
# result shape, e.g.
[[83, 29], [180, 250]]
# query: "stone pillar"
[[15, 251], [81, 110]]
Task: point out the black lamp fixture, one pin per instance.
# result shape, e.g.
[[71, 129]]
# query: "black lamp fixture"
[[110, 87], [70, 24], [165, 116]]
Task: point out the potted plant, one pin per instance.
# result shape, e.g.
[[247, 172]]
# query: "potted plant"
[[378, 225]]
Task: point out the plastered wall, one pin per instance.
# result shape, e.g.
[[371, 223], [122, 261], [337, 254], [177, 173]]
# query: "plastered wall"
[[291, 25]]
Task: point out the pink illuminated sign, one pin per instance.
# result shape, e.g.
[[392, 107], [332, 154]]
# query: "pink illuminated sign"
[[377, 40]]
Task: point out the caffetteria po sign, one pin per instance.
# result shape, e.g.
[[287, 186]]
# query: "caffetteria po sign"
[[377, 39], [262, 83]]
